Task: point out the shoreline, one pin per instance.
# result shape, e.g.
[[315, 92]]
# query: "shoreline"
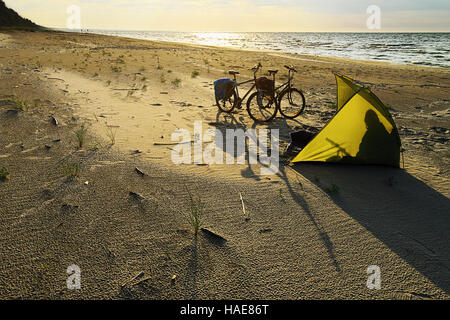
[[312, 56]]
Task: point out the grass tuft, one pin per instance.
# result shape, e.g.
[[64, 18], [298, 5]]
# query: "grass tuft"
[[4, 174], [195, 74], [176, 82], [81, 136], [20, 105], [111, 134], [71, 169], [332, 189], [282, 196], [116, 69], [159, 67], [332, 105], [195, 213]]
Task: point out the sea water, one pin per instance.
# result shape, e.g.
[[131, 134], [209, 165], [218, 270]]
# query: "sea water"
[[427, 49]]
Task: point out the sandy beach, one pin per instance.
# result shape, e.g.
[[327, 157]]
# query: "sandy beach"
[[128, 231]]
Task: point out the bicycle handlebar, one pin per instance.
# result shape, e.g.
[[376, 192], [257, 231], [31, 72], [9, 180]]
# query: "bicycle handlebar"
[[290, 68], [256, 68]]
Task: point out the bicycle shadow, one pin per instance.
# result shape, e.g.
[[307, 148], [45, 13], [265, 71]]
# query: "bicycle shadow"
[[250, 172], [226, 121]]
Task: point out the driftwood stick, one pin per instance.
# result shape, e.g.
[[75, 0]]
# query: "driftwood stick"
[[139, 275], [243, 207], [171, 144], [56, 79]]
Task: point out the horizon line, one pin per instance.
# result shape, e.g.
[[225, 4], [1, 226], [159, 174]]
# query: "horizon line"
[[207, 31]]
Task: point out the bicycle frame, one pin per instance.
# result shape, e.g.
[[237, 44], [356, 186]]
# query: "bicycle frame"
[[237, 84], [248, 92], [286, 85]]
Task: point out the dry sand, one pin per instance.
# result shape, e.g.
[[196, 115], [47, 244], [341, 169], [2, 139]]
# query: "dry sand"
[[301, 242]]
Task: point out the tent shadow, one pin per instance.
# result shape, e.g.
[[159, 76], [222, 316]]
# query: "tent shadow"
[[407, 215], [315, 220]]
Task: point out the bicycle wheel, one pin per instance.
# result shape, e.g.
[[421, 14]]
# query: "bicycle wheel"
[[261, 107], [227, 104], [292, 103]]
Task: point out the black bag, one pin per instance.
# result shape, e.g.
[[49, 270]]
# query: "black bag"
[[265, 85], [302, 138], [223, 88]]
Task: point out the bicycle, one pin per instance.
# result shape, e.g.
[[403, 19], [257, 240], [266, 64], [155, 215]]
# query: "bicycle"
[[228, 104], [263, 105]]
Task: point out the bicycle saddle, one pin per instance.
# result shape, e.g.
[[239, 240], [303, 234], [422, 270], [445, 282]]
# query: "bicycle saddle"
[[233, 72], [273, 71]]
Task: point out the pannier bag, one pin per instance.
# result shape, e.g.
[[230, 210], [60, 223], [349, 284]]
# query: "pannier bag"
[[265, 85], [223, 88]]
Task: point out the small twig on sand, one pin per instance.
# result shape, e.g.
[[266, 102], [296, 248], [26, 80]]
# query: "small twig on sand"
[[140, 172], [136, 196], [139, 275], [53, 120], [171, 144], [243, 208], [56, 79]]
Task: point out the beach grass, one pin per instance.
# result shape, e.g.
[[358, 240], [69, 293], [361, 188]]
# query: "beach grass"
[[70, 169], [4, 174], [116, 69], [332, 189], [195, 213], [332, 105], [111, 134], [20, 104], [80, 134], [176, 82]]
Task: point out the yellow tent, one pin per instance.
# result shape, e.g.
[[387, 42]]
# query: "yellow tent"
[[346, 90], [361, 132]]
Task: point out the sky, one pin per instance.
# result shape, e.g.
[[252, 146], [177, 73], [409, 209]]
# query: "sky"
[[241, 15]]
